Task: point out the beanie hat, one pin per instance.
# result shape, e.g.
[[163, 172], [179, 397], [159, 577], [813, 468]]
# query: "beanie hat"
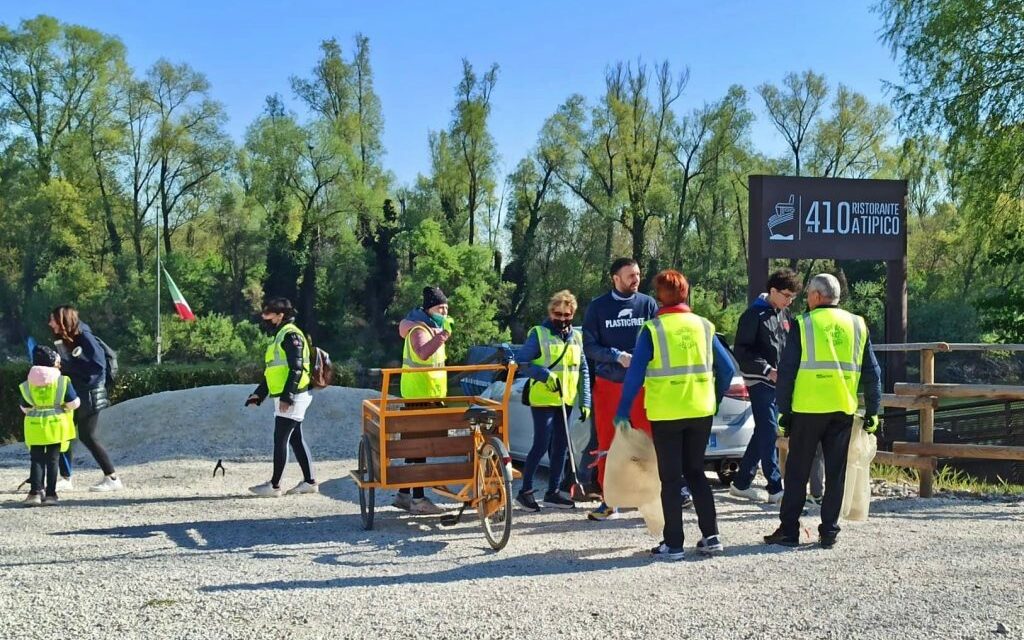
[[43, 356], [433, 296]]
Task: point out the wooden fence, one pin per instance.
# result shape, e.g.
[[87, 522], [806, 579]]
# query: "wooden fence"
[[924, 397]]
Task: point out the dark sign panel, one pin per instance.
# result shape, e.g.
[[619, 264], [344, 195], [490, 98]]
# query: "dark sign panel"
[[829, 218]]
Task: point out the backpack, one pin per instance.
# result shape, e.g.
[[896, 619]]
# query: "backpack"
[[111, 361], [321, 373]]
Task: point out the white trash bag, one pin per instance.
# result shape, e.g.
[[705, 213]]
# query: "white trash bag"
[[857, 492], [631, 477]]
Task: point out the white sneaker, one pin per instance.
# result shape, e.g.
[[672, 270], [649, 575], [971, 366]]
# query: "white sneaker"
[[424, 507], [304, 487], [775, 498], [64, 484], [750, 493], [108, 484], [266, 490]]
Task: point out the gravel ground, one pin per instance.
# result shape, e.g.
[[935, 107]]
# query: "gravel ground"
[[179, 554]]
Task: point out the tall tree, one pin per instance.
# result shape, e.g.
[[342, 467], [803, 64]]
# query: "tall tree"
[[794, 107], [643, 125], [464, 157], [189, 141]]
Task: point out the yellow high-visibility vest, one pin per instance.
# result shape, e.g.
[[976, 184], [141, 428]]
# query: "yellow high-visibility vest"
[[567, 370], [429, 384], [276, 371], [680, 381], [833, 343], [47, 421]]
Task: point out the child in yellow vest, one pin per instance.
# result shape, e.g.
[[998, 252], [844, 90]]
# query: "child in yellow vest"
[[48, 401]]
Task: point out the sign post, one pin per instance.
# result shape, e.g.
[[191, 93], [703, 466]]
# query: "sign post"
[[840, 219]]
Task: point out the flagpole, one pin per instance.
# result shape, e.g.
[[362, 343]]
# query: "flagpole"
[[158, 275]]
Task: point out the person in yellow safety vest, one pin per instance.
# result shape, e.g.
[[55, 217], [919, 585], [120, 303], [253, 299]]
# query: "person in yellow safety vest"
[[286, 380], [685, 371], [827, 355], [425, 330], [557, 372], [48, 401]]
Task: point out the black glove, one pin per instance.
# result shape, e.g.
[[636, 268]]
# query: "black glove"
[[783, 428], [253, 399], [584, 414], [871, 423]]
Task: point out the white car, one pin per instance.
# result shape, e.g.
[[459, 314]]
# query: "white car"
[[731, 429]]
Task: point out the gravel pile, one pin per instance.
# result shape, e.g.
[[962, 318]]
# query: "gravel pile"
[[179, 554]]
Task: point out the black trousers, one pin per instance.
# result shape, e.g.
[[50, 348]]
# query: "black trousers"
[[288, 431], [680, 446], [88, 433], [806, 431], [44, 468]]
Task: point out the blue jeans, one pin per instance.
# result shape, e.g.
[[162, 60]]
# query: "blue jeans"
[[549, 437], [761, 447]]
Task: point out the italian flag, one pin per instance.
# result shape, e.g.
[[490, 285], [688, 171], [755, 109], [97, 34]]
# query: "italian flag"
[[180, 304]]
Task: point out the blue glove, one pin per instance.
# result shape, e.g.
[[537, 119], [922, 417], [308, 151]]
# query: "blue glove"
[[622, 422], [584, 414], [871, 424], [783, 428]]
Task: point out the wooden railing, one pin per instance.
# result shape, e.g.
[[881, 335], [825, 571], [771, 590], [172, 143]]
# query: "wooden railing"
[[924, 397]]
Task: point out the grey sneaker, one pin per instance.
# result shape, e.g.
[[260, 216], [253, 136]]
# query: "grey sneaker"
[[750, 493], [32, 500], [402, 501], [424, 507]]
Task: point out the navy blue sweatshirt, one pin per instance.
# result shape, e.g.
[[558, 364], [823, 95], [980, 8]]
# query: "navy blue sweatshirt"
[[870, 374], [721, 363], [610, 327]]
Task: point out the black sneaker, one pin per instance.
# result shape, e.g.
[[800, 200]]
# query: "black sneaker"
[[813, 501], [827, 542], [525, 499], [557, 501], [710, 545], [665, 552], [778, 537]]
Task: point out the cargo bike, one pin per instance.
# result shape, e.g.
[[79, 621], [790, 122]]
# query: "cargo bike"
[[464, 440]]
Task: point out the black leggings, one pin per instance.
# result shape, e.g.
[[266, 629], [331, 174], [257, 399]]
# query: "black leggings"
[[88, 431], [680, 446], [288, 431], [44, 467]]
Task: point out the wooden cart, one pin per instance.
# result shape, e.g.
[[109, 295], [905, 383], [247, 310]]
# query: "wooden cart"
[[463, 438]]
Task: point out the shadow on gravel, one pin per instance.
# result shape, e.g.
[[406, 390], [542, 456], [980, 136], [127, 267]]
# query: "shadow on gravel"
[[111, 501], [498, 566]]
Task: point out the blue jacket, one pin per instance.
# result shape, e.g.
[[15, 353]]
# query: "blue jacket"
[[724, 370], [870, 374], [419, 315], [89, 369], [531, 350], [610, 327]]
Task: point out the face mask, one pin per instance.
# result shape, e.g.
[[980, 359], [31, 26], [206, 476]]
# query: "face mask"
[[438, 318], [268, 326], [561, 326]]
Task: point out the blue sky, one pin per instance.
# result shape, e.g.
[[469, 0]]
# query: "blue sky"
[[546, 51]]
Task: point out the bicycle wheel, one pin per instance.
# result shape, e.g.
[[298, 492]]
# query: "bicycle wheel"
[[494, 492], [367, 495]]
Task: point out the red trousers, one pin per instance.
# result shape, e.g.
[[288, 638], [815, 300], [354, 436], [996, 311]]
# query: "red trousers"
[[606, 401]]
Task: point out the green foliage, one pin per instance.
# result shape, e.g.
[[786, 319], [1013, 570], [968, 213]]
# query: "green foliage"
[[465, 274], [210, 337]]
